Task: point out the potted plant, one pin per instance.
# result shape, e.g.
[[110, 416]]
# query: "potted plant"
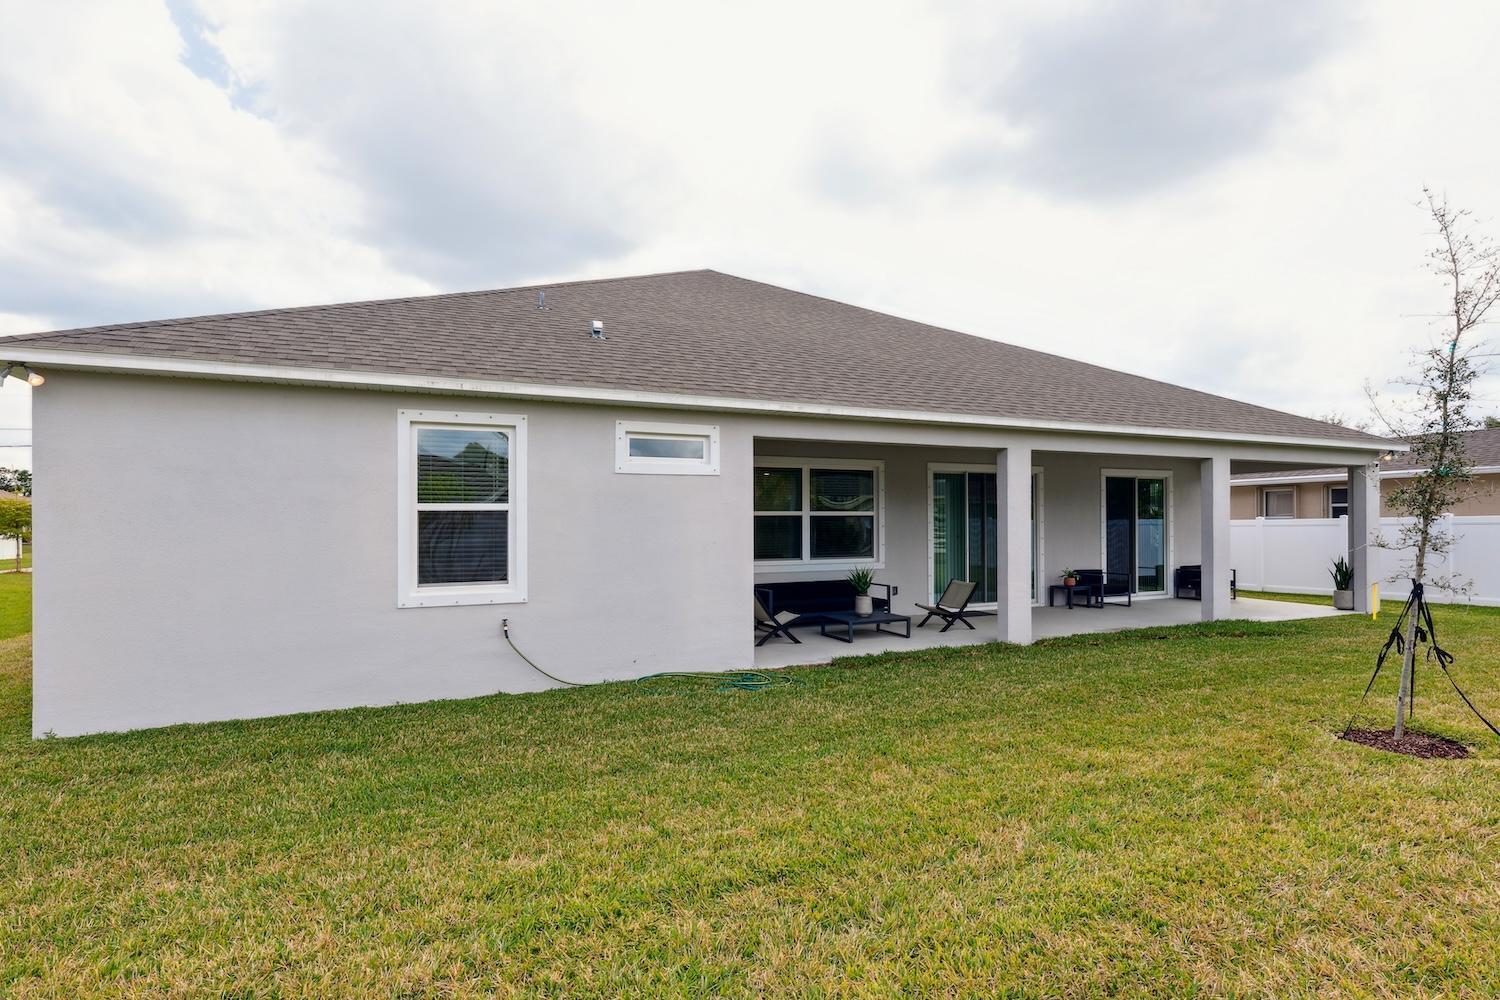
[[860, 580], [1343, 583], [1070, 578]]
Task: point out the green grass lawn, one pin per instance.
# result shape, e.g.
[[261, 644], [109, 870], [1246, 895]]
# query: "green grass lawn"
[[15, 604], [1160, 813]]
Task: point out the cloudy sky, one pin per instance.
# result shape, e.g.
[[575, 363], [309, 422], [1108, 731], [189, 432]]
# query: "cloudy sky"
[[1220, 195]]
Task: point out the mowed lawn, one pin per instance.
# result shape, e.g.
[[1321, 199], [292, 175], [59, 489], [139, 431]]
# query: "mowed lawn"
[[1164, 812]]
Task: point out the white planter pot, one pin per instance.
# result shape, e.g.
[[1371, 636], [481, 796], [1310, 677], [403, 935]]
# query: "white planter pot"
[[1343, 600], [863, 605]]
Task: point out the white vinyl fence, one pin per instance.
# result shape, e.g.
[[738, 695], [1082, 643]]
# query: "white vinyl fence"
[[1293, 555]]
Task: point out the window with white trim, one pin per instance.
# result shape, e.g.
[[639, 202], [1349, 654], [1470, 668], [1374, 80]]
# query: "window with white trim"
[[1278, 503], [817, 512], [666, 449], [1338, 501], [461, 521]]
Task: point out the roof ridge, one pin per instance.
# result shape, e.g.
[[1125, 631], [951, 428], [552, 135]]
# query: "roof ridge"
[[319, 306]]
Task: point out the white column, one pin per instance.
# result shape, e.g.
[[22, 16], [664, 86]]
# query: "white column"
[[1364, 522], [1013, 544], [1213, 488]]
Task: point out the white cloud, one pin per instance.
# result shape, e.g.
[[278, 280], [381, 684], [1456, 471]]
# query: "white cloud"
[[1211, 198], [130, 187]]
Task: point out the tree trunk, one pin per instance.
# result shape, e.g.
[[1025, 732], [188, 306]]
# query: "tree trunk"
[[1409, 658], [1408, 662]]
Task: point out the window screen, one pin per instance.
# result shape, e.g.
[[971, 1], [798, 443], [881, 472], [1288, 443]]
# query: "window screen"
[[1278, 503], [463, 505]]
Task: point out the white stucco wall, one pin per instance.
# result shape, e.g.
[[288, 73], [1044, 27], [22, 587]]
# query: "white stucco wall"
[[223, 550], [217, 550]]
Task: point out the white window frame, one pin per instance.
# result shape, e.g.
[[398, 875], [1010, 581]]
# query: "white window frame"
[[1266, 491], [625, 462], [408, 593], [1328, 493], [807, 564]]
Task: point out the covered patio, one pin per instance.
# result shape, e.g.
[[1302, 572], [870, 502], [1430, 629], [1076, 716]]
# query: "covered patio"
[[1046, 623], [1146, 521]]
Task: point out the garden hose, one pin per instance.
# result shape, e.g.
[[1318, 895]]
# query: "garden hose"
[[505, 631], [740, 680]]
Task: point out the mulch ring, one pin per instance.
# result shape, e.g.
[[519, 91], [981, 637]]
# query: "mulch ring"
[[1413, 744]]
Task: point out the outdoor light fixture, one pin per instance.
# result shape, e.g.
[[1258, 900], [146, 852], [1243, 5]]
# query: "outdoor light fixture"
[[32, 378]]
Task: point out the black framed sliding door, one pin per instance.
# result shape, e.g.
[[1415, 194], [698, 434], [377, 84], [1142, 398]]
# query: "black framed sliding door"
[[964, 516], [1135, 531], [1119, 526], [965, 527]]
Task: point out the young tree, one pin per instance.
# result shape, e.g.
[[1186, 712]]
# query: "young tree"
[[1469, 266], [15, 522]]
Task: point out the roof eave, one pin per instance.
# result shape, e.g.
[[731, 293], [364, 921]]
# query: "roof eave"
[[140, 364], [1333, 477]]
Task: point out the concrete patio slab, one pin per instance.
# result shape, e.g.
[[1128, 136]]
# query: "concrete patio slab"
[[1046, 623]]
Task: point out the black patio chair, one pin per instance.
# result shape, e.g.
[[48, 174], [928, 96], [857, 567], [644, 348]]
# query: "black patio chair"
[[1187, 583], [1103, 585], [773, 625], [950, 607]]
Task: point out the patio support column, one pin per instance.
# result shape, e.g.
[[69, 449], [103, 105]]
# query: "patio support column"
[[1013, 542], [1213, 486], [1364, 523]]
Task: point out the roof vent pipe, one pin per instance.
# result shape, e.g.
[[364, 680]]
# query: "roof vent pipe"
[[597, 330], [541, 300]]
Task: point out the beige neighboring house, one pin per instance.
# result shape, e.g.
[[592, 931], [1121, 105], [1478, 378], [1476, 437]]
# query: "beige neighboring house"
[[1304, 493]]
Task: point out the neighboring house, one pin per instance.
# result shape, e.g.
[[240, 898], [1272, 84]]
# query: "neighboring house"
[[1324, 492], [338, 505]]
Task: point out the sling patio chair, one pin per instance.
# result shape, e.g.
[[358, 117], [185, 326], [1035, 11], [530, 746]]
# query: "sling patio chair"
[[774, 624], [950, 607]]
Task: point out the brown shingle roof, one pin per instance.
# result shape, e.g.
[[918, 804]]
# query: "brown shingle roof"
[[696, 332]]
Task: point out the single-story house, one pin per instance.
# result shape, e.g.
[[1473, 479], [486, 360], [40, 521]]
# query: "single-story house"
[[320, 507], [1324, 492]]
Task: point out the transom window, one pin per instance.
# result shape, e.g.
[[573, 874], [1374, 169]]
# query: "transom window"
[[666, 449], [817, 511], [1278, 503], [461, 485], [1338, 501]]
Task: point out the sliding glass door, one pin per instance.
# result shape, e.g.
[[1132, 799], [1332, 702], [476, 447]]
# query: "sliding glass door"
[[963, 531], [1135, 530], [964, 525]]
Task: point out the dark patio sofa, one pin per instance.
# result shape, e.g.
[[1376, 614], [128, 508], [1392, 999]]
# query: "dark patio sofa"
[[811, 599], [1187, 583]]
